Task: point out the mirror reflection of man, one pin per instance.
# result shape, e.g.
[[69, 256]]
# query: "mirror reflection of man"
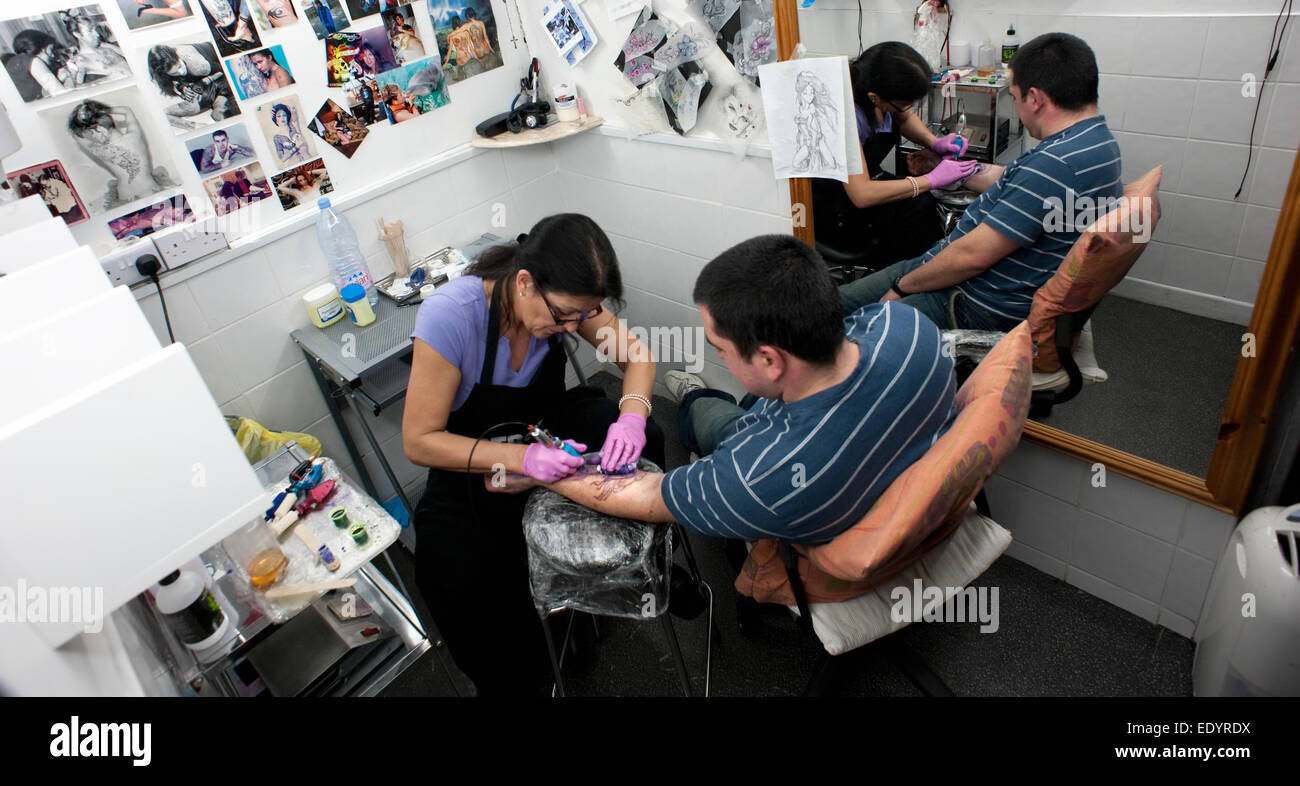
[[984, 274], [222, 153]]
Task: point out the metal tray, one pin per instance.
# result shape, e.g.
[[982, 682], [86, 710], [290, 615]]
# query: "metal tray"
[[430, 264]]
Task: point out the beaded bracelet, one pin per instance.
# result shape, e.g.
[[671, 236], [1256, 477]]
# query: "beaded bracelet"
[[637, 397]]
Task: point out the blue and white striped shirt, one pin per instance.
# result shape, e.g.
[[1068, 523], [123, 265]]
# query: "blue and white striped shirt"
[[1036, 189], [808, 470]]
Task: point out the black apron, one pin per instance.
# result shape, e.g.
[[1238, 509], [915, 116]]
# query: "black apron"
[[471, 559], [888, 232]]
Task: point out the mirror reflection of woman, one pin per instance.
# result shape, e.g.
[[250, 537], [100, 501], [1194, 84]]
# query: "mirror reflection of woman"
[[289, 140], [875, 211], [112, 137]]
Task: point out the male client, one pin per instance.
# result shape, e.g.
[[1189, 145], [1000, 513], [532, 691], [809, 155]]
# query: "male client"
[[844, 406], [1014, 236]]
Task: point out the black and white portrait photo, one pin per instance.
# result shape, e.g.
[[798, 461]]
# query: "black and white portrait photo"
[[231, 23], [189, 81], [111, 149], [56, 53]]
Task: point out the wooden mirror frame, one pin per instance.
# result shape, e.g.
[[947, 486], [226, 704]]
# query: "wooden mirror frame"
[[1275, 324]]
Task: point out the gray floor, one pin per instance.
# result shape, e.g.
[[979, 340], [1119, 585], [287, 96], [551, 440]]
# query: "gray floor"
[[1053, 640], [1170, 374]]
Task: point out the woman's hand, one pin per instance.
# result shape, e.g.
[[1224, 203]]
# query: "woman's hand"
[[947, 145], [623, 442], [548, 464], [949, 171]]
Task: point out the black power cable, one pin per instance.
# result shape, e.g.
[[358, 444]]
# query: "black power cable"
[[148, 265], [1274, 50]]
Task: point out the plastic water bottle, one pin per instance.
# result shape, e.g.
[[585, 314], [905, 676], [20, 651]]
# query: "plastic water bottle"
[[342, 252]]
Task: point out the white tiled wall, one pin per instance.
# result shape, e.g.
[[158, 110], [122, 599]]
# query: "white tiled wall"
[[1144, 550], [1171, 90], [668, 210]]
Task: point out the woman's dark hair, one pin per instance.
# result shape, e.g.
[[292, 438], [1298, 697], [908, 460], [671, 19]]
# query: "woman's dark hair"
[[566, 254], [90, 114], [1059, 64], [30, 42], [281, 108], [773, 289], [163, 58], [892, 70]]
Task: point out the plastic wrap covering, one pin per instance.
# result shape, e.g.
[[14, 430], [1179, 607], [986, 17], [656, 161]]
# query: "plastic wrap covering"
[[973, 344], [581, 559]]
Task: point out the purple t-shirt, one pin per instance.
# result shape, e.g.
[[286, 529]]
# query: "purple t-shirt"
[[864, 130], [454, 322]]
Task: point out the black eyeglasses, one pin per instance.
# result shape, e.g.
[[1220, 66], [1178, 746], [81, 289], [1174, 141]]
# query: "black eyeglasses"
[[575, 320], [892, 107]]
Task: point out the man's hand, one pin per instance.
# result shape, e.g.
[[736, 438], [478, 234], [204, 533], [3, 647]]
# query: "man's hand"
[[888, 296]]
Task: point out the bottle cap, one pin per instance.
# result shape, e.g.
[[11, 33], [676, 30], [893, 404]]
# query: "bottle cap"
[[353, 292], [323, 202]]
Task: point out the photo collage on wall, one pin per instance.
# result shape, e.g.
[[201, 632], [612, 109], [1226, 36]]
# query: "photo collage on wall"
[[466, 34], [224, 71]]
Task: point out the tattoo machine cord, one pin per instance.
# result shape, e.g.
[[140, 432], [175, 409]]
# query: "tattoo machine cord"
[[469, 463]]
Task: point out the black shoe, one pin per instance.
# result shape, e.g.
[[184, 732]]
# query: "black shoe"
[[686, 598]]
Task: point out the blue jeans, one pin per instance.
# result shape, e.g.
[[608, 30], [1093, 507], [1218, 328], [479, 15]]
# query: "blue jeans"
[[870, 289], [706, 417]]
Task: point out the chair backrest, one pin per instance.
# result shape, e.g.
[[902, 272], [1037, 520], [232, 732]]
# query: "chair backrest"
[[925, 503], [1097, 261]]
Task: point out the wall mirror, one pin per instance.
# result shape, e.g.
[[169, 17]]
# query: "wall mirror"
[[1189, 397]]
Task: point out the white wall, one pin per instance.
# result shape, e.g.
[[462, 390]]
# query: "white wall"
[[1171, 91]]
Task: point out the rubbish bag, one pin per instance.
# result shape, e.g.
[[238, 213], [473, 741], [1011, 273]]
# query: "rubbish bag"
[[258, 442]]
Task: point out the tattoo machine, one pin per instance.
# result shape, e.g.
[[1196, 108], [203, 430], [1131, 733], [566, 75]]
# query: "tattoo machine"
[[626, 469], [303, 478], [546, 438]]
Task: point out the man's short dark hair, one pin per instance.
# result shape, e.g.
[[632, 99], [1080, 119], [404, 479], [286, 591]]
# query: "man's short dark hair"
[[773, 290], [219, 132], [1059, 64]]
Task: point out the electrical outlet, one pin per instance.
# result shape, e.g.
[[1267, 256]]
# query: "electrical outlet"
[[186, 245], [120, 265]]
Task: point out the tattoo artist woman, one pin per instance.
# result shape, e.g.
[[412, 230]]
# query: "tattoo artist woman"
[[895, 217], [487, 350]]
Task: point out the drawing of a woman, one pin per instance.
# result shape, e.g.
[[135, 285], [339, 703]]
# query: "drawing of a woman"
[[814, 121]]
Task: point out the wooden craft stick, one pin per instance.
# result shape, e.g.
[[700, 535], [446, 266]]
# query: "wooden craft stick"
[[304, 589]]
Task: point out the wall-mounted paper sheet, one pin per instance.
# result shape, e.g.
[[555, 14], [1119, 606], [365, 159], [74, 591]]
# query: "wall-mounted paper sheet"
[[809, 109]]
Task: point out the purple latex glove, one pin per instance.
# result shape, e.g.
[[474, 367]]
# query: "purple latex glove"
[[623, 442], [949, 171], [947, 145], [550, 464]]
